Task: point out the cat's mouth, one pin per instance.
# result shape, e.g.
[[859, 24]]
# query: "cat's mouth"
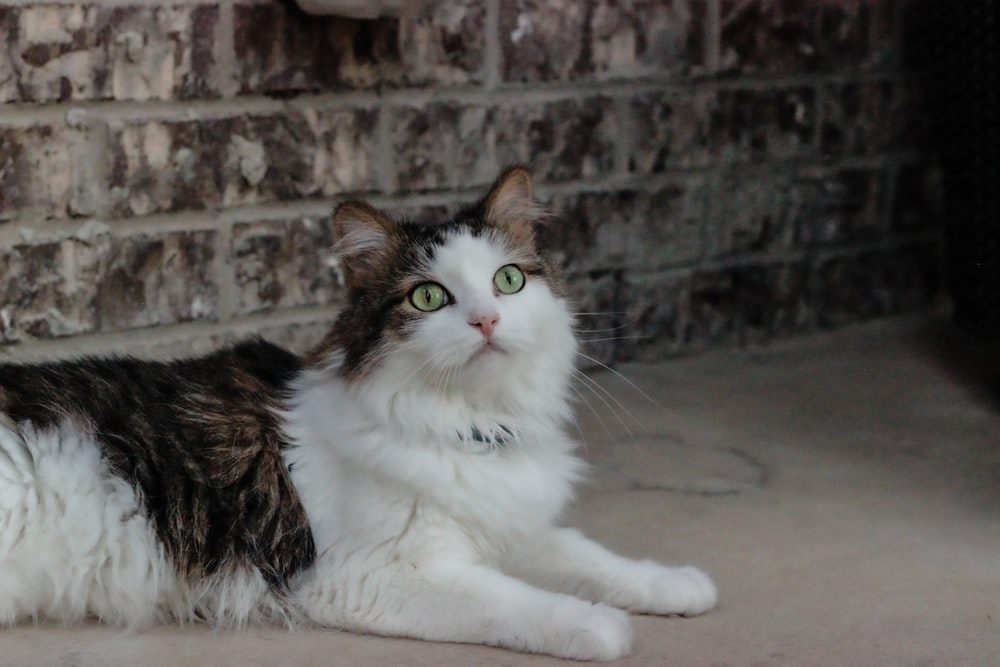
[[489, 348]]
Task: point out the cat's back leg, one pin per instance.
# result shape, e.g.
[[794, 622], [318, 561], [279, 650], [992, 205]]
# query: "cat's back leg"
[[73, 538]]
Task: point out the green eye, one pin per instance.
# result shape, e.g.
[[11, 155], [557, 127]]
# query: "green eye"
[[428, 297], [509, 279]]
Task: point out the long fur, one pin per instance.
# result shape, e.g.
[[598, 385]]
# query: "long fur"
[[428, 461]]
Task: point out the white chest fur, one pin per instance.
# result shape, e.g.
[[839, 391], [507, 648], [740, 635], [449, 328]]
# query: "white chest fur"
[[366, 481]]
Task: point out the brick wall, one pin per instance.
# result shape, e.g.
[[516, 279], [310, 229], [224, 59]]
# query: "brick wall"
[[727, 170]]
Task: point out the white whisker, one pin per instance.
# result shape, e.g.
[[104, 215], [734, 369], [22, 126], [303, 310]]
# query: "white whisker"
[[596, 415], [618, 403], [604, 330], [587, 383], [420, 369], [601, 340], [626, 381]]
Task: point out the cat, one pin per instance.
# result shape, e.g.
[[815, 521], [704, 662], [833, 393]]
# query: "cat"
[[406, 477]]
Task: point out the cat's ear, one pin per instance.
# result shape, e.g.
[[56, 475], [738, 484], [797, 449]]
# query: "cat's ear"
[[510, 205], [363, 240]]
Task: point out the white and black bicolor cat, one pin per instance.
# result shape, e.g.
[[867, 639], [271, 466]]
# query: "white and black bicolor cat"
[[405, 478]]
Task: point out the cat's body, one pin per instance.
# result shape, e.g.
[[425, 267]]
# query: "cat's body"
[[405, 478]]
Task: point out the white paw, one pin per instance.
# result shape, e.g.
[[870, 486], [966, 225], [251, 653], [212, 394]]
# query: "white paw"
[[677, 590], [592, 632]]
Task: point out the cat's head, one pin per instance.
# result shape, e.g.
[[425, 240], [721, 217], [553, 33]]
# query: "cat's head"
[[462, 305]]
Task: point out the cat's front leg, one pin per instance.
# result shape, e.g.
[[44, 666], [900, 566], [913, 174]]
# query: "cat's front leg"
[[564, 560], [460, 602], [467, 603]]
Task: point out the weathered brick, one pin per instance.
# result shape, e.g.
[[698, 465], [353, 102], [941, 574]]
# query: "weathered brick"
[[284, 263], [629, 253], [841, 206], [669, 131], [444, 42], [53, 54], [8, 49], [755, 212], [666, 312], [281, 50], [560, 40], [572, 237], [748, 303], [221, 162], [656, 320], [543, 40], [564, 140], [39, 172], [477, 158], [918, 202], [768, 35], [88, 51], [788, 36], [446, 145], [147, 280], [857, 34], [628, 229], [757, 125], [30, 294], [853, 288], [630, 38], [160, 52], [772, 211], [100, 283], [425, 141], [871, 118], [344, 157]]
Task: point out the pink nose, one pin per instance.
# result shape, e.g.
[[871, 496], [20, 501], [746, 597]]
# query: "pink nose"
[[485, 323]]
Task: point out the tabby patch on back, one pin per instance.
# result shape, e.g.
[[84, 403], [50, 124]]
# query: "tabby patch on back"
[[405, 478]]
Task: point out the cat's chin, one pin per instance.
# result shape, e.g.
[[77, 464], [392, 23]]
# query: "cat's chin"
[[490, 350]]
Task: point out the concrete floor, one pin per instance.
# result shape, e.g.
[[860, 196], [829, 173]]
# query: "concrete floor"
[[844, 491]]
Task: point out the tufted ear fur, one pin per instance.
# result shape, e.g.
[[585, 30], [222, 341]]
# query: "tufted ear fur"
[[510, 206], [364, 240]]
